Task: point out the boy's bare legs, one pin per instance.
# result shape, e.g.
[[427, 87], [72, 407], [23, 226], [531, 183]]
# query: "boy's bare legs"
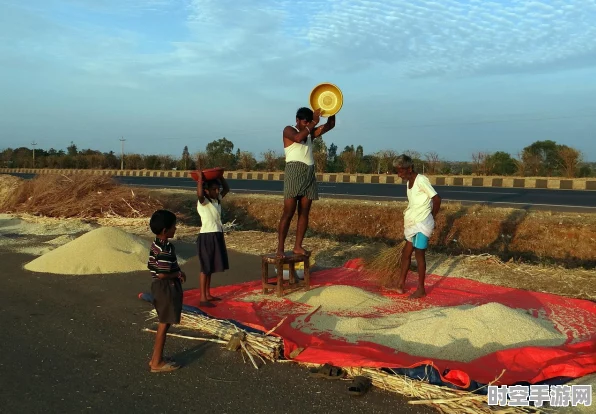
[[406, 261], [284, 224], [303, 213], [421, 263], [160, 341]]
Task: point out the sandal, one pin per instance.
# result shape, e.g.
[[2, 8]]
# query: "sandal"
[[360, 385], [164, 359], [167, 367], [327, 371]]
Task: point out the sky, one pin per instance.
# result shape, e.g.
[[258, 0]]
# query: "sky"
[[450, 76]]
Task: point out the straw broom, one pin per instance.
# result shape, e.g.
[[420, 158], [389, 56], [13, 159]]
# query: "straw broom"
[[387, 264]]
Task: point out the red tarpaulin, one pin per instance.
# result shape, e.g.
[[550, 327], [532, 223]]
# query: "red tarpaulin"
[[575, 318]]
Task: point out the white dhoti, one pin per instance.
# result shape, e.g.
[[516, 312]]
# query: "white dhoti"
[[426, 227]]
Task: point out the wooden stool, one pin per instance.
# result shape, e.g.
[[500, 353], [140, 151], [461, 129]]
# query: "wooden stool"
[[290, 259]]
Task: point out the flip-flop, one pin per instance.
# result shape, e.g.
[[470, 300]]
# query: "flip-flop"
[[167, 367], [165, 359], [327, 371], [359, 386]]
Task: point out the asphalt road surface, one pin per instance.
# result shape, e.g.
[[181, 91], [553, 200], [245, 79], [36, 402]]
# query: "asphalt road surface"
[[73, 344], [557, 200]]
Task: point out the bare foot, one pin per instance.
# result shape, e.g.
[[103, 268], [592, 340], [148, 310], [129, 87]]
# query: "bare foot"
[[301, 250], [280, 254], [212, 298], [420, 293], [206, 304], [401, 287]]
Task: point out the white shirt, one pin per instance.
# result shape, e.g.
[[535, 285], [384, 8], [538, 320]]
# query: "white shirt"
[[301, 152], [419, 201], [210, 213]]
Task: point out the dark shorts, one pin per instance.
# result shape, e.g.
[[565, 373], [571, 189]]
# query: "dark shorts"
[[300, 180], [212, 251], [167, 300]]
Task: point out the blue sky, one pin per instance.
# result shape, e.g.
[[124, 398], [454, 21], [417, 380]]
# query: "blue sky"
[[449, 76]]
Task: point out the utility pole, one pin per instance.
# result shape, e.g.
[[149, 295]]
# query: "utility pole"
[[34, 144], [122, 153]]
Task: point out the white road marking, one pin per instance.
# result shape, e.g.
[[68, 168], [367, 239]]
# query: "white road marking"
[[480, 192]]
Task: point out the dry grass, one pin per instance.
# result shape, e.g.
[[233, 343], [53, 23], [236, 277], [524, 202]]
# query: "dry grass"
[[79, 196], [8, 185], [565, 239], [533, 236]]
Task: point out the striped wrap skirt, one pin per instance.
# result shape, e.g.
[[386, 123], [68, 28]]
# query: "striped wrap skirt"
[[300, 180]]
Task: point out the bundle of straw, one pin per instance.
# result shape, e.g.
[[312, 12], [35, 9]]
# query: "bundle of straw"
[[444, 400], [386, 264], [266, 346]]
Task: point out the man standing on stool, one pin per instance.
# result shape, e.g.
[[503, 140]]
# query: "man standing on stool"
[[300, 181]]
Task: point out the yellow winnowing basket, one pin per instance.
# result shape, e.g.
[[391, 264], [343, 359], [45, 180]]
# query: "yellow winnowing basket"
[[327, 97]]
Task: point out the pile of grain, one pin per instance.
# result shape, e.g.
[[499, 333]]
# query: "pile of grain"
[[340, 298], [104, 250], [461, 333], [34, 226]]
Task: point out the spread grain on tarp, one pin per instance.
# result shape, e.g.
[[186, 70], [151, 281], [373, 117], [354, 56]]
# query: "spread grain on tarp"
[[461, 333]]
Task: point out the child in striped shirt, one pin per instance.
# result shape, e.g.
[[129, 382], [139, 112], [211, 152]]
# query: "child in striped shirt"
[[166, 287]]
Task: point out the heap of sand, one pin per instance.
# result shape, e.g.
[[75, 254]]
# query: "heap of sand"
[[461, 333], [103, 250]]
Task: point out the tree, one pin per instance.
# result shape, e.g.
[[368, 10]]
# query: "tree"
[[185, 161], [201, 159], [570, 160], [320, 152], [542, 158], [480, 163], [350, 159], [432, 161], [385, 159], [72, 149], [501, 163], [246, 161], [220, 153], [332, 155], [270, 159], [134, 162]]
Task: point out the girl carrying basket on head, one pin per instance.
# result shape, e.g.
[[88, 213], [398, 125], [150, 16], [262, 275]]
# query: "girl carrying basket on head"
[[211, 245]]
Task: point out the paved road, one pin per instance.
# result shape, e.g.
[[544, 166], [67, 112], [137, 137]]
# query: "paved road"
[[559, 200], [74, 345]]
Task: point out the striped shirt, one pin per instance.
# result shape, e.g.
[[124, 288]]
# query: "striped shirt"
[[162, 258]]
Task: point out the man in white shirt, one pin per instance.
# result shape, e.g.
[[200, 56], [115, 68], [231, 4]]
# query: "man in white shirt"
[[300, 182], [419, 221]]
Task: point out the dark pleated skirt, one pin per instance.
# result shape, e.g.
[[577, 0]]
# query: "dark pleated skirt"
[[212, 251]]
